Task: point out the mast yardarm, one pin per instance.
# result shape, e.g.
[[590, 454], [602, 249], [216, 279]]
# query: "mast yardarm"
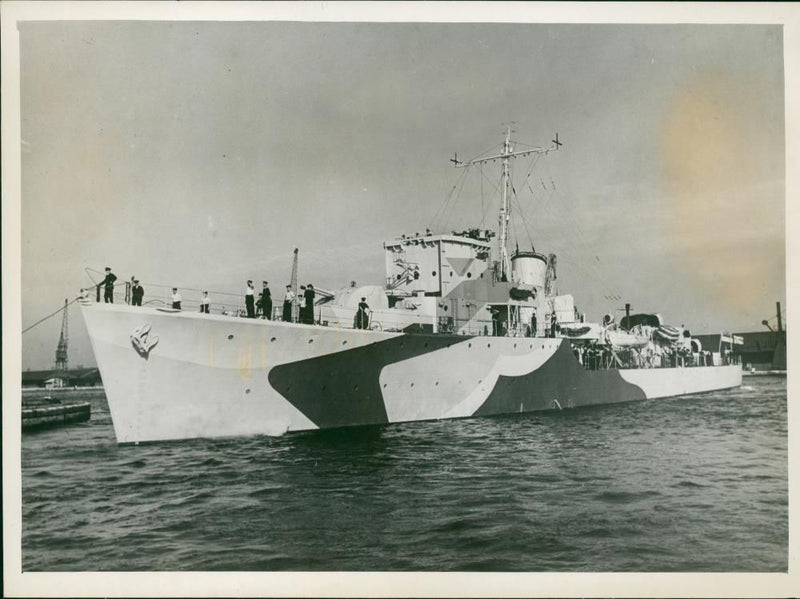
[[506, 155]]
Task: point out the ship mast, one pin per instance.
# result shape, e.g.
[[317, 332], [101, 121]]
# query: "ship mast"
[[505, 211]]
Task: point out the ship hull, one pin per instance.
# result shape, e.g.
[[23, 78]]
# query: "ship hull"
[[180, 375]]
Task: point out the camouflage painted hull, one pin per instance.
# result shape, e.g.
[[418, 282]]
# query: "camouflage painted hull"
[[180, 375]]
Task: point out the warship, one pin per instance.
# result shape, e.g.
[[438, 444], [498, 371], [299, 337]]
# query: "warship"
[[461, 327]]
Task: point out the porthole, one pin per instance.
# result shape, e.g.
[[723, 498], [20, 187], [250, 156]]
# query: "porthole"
[[433, 274], [246, 391], [230, 337], [344, 342], [488, 345], [515, 346], [384, 385], [469, 345], [311, 341], [436, 384], [273, 339], [469, 275], [412, 384]]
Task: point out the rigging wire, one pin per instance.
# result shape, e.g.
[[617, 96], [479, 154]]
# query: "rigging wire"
[[483, 210], [443, 207], [545, 199], [610, 288], [41, 320]]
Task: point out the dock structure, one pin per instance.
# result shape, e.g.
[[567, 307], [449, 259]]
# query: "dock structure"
[[761, 350]]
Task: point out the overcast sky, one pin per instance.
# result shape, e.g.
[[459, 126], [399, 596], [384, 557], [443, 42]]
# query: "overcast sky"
[[198, 154]]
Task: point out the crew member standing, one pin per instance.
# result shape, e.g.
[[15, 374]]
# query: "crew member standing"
[[266, 301], [309, 295], [495, 322], [362, 316], [553, 325], [301, 300], [250, 300], [108, 287], [533, 323], [287, 304], [205, 303], [137, 293], [176, 299]]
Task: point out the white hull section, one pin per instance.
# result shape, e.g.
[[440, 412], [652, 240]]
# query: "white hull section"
[[669, 382]]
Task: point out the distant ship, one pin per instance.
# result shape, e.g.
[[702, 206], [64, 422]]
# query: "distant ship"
[[462, 327]]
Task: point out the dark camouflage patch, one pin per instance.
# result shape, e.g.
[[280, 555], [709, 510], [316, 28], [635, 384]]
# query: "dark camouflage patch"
[[559, 382], [343, 388]]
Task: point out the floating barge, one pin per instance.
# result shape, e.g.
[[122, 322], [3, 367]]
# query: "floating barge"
[[48, 412]]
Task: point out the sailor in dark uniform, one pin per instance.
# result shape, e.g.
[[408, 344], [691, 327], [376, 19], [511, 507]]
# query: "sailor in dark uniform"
[[137, 293], [108, 286], [495, 322], [362, 315], [266, 302], [309, 295]]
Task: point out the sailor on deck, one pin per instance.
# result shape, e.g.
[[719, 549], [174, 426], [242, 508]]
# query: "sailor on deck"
[[250, 300], [108, 287], [362, 315], [176, 299], [137, 293], [287, 304], [309, 295], [266, 302]]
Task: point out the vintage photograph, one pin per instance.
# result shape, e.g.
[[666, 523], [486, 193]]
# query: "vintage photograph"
[[386, 295]]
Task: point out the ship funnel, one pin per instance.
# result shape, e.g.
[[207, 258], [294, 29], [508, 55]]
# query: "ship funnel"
[[528, 268]]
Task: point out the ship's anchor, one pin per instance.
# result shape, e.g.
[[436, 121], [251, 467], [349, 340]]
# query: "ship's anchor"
[[558, 405]]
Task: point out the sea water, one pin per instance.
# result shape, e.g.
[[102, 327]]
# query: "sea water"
[[682, 484]]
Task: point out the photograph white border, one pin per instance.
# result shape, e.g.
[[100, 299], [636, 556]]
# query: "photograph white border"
[[372, 584]]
